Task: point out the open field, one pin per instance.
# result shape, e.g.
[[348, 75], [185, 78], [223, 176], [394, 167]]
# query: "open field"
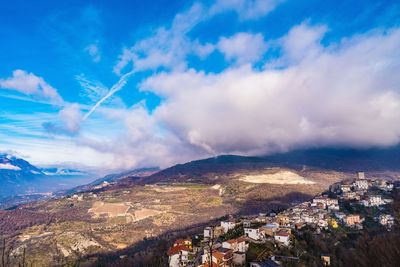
[[110, 209], [280, 177]]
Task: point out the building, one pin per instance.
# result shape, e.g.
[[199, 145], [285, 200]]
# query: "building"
[[386, 219], [283, 220], [283, 236], [208, 232], [361, 184], [220, 258], [270, 228], [326, 260], [373, 201], [253, 233], [345, 188], [351, 220], [228, 225], [333, 223], [181, 253], [237, 245]]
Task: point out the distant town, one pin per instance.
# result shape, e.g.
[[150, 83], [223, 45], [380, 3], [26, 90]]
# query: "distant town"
[[266, 240]]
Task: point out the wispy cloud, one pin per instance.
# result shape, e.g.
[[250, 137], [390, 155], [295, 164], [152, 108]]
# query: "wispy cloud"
[[30, 84]]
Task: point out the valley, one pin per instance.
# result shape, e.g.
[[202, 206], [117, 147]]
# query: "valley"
[[82, 226]]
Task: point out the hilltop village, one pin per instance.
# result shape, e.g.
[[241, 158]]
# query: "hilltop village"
[[276, 239]]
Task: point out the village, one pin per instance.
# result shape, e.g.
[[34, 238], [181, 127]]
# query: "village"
[[350, 205]]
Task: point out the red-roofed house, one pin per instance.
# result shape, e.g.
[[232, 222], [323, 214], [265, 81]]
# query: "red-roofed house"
[[181, 253], [283, 236]]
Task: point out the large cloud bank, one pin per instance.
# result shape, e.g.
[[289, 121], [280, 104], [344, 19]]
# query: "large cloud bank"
[[346, 94], [312, 95]]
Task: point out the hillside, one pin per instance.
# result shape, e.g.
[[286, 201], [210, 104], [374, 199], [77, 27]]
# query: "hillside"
[[383, 161], [134, 213]]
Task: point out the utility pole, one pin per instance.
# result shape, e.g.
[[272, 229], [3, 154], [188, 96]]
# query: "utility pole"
[[210, 243]]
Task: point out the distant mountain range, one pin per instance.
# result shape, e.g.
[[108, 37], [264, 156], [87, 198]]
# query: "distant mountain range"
[[19, 177], [336, 159]]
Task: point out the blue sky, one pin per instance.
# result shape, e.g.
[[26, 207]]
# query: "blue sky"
[[180, 80]]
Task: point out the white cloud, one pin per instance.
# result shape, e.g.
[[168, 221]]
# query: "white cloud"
[[71, 117], [246, 9], [143, 142], [94, 51], [344, 94], [301, 39], [30, 84], [168, 47], [243, 47]]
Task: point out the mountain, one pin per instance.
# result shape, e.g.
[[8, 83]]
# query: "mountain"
[[135, 174], [141, 209], [19, 178], [334, 159], [17, 175], [342, 159]]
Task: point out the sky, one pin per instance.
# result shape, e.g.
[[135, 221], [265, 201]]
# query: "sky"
[[116, 85]]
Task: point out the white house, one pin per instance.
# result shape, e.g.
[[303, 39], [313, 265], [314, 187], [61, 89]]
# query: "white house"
[[238, 244], [253, 233], [373, 201], [283, 237], [179, 256], [208, 232], [386, 219], [361, 184], [228, 225]]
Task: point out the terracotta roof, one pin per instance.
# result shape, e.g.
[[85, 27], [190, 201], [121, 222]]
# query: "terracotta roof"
[[177, 249], [282, 233], [231, 241], [241, 239]]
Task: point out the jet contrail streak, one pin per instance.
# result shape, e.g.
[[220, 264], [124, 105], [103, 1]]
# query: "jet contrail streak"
[[115, 88]]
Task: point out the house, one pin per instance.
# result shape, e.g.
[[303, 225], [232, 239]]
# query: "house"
[[353, 219], [247, 224], [383, 185], [220, 258], [322, 223], [345, 188], [254, 233], [239, 248], [373, 201], [227, 225], [386, 219], [181, 253], [361, 184], [183, 242], [351, 196], [283, 220], [326, 260], [208, 232], [270, 228], [237, 245], [283, 236], [333, 223]]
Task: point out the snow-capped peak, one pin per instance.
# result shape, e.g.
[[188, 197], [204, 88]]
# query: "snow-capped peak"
[[8, 166]]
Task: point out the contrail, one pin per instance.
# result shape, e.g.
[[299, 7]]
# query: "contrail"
[[115, 88]]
